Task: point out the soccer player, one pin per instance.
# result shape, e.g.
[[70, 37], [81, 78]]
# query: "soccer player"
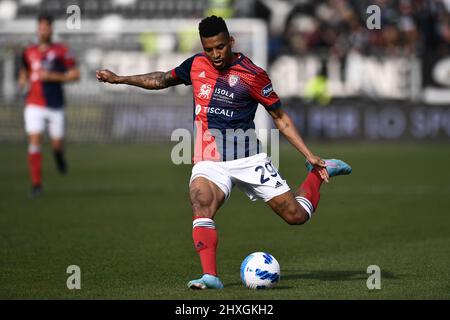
[[46, 66], [227, 89]]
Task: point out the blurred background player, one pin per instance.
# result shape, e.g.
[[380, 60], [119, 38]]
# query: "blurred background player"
[[227, 89], [46, 66]]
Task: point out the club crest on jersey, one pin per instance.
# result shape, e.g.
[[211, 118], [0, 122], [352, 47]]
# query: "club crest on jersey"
[[233, 80], [205, 91], [267, 90]]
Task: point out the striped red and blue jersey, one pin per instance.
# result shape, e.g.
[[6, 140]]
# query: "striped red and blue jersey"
[[56, 57], [225, 103]]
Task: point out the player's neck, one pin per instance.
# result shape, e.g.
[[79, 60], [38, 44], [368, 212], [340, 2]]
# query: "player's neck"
[[43, 45], [235, 56]]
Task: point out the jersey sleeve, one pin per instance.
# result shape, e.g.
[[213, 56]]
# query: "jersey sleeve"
[[69, 58], [183, 71], [262, 91]]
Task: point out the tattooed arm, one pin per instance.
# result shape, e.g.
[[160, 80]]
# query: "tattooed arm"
[[151, 81]]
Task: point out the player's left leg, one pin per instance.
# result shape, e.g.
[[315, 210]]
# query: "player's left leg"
[[289, 208], [56, 130], [58, 155], [298, 207]]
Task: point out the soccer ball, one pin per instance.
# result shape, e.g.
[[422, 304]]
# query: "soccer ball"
[[260, 270]]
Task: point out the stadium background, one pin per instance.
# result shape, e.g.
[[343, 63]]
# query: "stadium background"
[[378, 98]]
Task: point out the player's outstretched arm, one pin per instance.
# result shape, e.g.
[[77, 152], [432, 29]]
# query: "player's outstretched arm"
[[287, 127], [150, 81], [73, 74], [22, 84]]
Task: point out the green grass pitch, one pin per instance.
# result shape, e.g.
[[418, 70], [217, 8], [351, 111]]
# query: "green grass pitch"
[[123, 216]]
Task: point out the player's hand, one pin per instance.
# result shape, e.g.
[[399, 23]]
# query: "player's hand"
[[21, 93], [321, 167], [44, 75], [51, 76], [106, 76]]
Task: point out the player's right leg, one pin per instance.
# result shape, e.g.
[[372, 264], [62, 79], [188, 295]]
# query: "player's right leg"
[[206, 198], [34, 126], [35, 164], [208, 190]]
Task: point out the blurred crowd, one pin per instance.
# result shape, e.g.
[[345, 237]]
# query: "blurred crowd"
[[407, 27]]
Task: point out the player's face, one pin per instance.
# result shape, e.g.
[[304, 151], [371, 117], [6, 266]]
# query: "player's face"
[[44, 31], [219, 49]]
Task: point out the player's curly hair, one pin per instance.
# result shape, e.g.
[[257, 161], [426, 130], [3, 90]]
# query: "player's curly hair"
[[212, 26]]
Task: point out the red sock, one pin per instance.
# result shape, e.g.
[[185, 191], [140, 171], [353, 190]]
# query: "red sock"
[[311, 187], [205, 241], [35, 165]]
